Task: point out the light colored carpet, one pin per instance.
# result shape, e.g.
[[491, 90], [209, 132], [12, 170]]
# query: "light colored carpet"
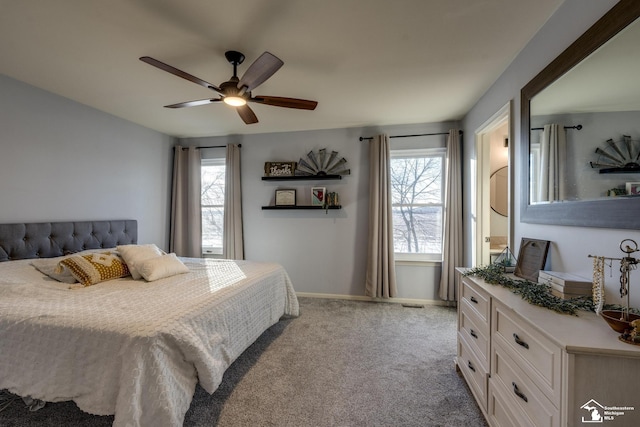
[[341, 363]]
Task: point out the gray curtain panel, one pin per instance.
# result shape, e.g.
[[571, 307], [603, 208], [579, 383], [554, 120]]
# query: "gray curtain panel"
[[553, 147], [232, 246], [186, 217], [452, 225], [381, 271]]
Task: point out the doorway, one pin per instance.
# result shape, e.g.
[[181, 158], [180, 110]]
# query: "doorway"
[[493, 226]]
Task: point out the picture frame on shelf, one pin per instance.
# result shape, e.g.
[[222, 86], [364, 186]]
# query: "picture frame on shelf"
[[279, 168], [318, 195], [285, 197], [633, 188]]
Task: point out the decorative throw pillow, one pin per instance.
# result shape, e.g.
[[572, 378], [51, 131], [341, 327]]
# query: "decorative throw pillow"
[[95, 268], [133, 255], [49, 266], [161, 267]]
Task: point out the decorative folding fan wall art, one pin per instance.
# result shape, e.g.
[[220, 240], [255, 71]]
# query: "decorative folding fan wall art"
[[618, 156], [316, 164], [322, 163]]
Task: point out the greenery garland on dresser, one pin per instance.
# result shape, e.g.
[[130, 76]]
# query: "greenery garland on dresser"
[[536, 293]]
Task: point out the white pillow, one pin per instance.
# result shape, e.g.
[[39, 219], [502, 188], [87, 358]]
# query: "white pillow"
[[161, 267], [133, 255]]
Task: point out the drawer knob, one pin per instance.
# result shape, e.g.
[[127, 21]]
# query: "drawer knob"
[[519, 393], [473, 299], [519, 341], [473, 333], [470, 365]]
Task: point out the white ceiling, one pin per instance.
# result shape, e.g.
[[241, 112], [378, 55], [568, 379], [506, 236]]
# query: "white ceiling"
[[366, 62]]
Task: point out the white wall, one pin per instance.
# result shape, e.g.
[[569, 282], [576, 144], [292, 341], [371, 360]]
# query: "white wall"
[[570, 245], [62, 161], [324, 253]]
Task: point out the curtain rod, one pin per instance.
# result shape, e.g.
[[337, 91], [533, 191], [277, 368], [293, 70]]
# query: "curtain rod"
[[210, 146], [577, 127], [362, 138]]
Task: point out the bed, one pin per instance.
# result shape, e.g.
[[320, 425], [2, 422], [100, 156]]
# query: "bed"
[[131, 348]]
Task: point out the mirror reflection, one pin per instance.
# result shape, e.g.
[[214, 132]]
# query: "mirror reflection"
[[585, 127], [499, 187]]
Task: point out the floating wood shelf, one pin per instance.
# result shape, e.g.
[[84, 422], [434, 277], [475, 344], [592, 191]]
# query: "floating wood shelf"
[[308, 207], [301, 178], [620, 170]]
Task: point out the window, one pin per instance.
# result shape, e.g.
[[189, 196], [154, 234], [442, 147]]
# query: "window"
[[417, 193], [212, 205]]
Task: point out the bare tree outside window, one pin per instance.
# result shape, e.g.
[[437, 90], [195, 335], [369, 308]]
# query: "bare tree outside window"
[[212, 204], [417, 202]]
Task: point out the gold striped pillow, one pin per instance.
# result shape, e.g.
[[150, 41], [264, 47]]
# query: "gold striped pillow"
[[95, 268]]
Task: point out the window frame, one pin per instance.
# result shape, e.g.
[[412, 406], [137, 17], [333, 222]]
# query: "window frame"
[[412, 257], [212, 250]]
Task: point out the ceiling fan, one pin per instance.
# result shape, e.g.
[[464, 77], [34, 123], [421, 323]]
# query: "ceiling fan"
[[237, 92]]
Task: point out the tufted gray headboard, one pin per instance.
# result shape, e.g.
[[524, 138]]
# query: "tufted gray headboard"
[[52, 239]]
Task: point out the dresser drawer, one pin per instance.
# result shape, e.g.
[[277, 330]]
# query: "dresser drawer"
[[499, 412], [519, 392], [477, 299], [475, 332], [473, 371], [539, 357]]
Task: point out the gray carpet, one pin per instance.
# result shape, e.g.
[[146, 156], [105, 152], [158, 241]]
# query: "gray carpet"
[[341, 363]]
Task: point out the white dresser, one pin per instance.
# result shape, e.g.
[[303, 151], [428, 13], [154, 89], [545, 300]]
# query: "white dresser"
[[530, 366]]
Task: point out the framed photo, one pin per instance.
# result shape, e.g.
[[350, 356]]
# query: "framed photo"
[[279, 168], [531, 258], [317, 196], [633, 188], [285, 197]]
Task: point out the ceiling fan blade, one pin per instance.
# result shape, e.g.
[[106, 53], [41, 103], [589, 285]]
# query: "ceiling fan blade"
[[261, 69], [247, 114], [193, 103], [169, 69], [278, 101]]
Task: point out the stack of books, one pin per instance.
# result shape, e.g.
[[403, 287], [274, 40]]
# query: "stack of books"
[[565, 285]]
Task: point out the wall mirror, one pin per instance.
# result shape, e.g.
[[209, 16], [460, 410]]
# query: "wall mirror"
[[592, 86], [499, 191]]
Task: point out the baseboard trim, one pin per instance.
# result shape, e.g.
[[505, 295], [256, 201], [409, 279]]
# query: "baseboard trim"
[[411, 301]]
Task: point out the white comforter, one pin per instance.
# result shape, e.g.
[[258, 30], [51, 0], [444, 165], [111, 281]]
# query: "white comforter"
[[132, 348]]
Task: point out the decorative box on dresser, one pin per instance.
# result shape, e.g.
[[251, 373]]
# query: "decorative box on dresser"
[[530, 366]]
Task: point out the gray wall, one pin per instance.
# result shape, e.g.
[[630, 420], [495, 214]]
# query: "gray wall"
[[56, 155], [570, 245], [324, 253], [60, 160]]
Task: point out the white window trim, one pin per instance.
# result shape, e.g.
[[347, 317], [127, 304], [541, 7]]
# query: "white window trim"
[[425, 258], [219, 161]]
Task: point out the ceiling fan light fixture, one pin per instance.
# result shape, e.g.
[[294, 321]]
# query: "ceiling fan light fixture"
[[235, 101], [237, 92]]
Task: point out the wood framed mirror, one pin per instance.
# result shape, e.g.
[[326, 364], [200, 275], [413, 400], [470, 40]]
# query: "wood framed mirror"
[[604, 212]]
